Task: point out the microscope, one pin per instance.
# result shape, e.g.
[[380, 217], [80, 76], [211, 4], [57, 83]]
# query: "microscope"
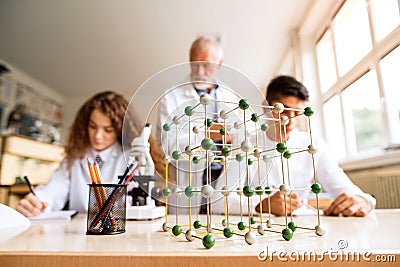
[[140, 202]]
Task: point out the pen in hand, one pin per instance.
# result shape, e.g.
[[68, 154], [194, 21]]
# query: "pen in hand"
[[29, 185], [32, 190]]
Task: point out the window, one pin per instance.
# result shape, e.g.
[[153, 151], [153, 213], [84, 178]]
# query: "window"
[[351, 34], [390, 69], [326, 61], [358, 57], [385, 16], [362, 114], [333, 118]]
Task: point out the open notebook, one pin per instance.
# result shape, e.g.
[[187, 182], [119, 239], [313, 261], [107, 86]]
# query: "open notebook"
[[64, 215]]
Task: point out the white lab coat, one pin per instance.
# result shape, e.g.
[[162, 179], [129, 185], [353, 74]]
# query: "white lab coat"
[[73, 186], [173, 103], [332, 178]]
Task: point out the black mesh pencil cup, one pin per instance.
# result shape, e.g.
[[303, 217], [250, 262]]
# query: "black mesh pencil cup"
[[106, 209]]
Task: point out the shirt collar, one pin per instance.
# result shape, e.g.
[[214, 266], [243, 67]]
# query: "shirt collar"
[[106, 153], [205, 91]]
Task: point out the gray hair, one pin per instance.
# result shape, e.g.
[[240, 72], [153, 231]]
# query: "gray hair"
[[200, 43]]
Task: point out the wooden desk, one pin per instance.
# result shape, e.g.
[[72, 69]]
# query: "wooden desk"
[[64, 243]]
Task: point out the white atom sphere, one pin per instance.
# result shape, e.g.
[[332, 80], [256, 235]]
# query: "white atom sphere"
[[260, 229], [224, 223], [166, 226], [190, 234], [165, 159], [257, 153], [320, 230], [176, 120], [205, 99], [245, 146], [270, 223], [195, 129], [312, 149], [279, 108], [175, 191], [211, 156], [285, 190], [225, 190], [237, 125], [239, 191], [189, 150], [207, 191], [266, 158], [223, 115], [250, 238], [284, 120]]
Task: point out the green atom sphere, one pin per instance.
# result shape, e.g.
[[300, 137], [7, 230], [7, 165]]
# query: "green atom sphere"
[[254, 117], [308, 111], [259, 190], [243, 104], [222, 131], [268, 190], [228, 232], [287, 234], [197, 224], [166, 127], [207, 143], [239, 157], [208, 122], [176, 155], [225, 151], [241, 226], [196, 160], [248, 191], [177, 230], [189, 191], [316, 188], [287, 154], [249, 162], [264, 127], [292, 226], [208, 241], [166, 192], [281, 147], [189, 111], [252, 220]]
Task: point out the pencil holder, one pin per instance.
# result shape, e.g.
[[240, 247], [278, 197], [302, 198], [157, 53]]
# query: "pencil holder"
[[106, 209]]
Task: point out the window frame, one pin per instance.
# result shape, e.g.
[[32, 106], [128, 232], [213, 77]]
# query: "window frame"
[[370, 61], [309, 36]]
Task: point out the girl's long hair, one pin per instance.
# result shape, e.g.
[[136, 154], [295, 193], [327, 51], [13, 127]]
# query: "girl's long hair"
[[112, 105]]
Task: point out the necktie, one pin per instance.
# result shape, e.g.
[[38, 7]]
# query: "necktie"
[[99, 161]]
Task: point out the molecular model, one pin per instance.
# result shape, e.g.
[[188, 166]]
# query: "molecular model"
[[251, 127]]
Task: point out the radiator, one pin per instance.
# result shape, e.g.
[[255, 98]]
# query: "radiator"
[[382, 183]]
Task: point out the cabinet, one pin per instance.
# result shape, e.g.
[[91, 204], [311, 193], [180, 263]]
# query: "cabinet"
[[22, 156]]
